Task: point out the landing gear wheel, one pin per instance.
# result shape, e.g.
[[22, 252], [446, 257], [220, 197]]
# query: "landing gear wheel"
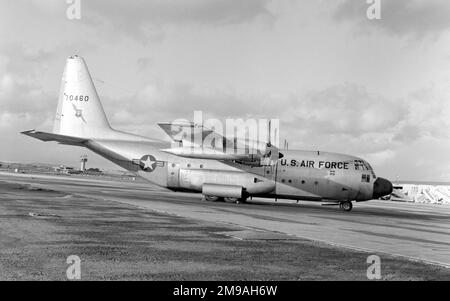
[[232, 200], [211, 198], [346, 206], [235, 200]]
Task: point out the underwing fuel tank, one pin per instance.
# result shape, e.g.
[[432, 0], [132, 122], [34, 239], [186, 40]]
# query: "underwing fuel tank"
[[252, 184]]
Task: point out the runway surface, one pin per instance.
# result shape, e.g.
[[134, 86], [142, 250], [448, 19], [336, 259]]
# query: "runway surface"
[[415, 231]]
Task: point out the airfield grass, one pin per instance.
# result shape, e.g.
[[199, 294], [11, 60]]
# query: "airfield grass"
[[119, 242]]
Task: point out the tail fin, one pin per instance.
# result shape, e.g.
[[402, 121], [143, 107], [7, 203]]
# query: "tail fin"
[[80, 112]]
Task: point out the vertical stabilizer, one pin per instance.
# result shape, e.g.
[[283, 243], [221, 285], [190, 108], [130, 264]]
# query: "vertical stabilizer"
[[80, 112]]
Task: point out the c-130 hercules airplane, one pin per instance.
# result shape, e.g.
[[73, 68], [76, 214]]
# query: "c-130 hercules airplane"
[[219, 175]]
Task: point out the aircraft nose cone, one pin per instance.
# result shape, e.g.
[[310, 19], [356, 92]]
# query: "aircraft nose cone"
[[381, 187]]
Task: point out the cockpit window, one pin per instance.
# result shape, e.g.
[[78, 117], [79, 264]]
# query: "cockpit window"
[[363, 165], [370, 169], [359, 165]]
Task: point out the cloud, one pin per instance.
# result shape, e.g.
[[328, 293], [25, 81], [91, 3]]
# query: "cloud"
[[22, 103], [149, 17], [402, 18], [23, 100], [213, 12], [427, 115], [380, 157], [143, 63], [161, 102], [344, 109]]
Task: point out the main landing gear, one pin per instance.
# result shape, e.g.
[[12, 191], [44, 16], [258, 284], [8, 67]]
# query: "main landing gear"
[[236, 200], [346, 205], [211, 198]]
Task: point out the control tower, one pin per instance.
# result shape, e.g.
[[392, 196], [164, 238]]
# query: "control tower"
[[83, 160]]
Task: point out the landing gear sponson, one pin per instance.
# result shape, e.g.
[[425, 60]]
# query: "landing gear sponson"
[[345, 205]]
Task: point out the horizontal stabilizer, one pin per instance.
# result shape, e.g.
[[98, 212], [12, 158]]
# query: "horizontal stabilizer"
[[43, 136]]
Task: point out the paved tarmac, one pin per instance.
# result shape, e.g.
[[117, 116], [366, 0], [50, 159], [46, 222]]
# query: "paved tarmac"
[[415, 231]]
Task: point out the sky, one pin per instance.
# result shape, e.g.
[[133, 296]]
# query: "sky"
[[337, 80]]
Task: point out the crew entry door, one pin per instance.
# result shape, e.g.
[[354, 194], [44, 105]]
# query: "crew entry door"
[[270, 172], [173, 175]]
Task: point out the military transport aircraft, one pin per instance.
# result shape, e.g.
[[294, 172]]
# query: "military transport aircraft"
[[219, 175]]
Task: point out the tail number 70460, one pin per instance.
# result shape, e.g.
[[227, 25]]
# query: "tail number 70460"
[[72, 97]]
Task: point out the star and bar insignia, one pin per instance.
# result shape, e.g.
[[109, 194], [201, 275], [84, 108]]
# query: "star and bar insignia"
[[148, 163]]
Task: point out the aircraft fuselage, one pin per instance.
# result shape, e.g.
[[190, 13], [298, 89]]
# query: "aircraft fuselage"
[[300, 175]]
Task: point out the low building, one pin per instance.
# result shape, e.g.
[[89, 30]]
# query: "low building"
[[422, 192], [63, 169]]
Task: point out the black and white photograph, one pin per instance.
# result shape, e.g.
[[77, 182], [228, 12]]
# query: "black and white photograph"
[[225, 147]]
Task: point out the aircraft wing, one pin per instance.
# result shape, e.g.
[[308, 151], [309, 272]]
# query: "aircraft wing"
[[215, 146], [186, 133], [43, 136], [242, 156]]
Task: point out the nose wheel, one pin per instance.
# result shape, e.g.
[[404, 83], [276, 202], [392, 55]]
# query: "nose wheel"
[[346, 206]]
